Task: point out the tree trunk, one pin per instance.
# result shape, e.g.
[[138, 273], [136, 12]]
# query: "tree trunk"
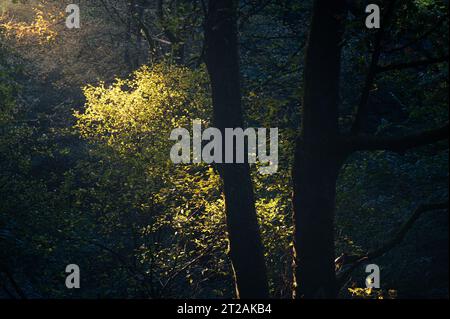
[[318, 156], [128, 38], [222, 59], [139, 12]]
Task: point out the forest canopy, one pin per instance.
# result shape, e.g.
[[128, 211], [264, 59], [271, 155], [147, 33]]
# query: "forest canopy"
[[86, 176]]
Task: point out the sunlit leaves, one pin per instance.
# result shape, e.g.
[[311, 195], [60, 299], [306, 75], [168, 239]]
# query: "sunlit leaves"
[[41, 28], [136, 115]]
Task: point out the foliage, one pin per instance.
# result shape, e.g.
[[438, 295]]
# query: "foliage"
[[86, 176], [40, 27]]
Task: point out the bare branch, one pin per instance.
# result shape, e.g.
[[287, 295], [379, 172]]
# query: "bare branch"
[[420, 38], [254, 11], [412, 64], [397, 144], [179, 271], [393, 242], [362, 109], [13, 282]]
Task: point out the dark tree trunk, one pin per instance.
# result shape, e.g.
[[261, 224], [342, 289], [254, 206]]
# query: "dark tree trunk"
[[222, 59], [128, 36], [318, 156], [139, 12]]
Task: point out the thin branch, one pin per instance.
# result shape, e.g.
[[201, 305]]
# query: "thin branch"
[[204, 8], [363, 109], [177, 272], [393, 242], [254, 11], [13, 282], [139, 276], [7, 292], [397, 144], [147, 35], [419, 38], [116, 12], [412, 64]]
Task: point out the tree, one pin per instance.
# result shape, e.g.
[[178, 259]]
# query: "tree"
[[99, 189], [317, 157], [321, 149], [222, 60]]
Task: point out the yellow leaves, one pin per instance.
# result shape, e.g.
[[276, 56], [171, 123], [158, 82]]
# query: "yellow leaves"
[[370, 293], [133, 118], [136, 115], [41, 28], [362, 292]]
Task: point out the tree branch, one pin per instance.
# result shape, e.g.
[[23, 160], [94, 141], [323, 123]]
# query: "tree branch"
[[138, 275], [420, 38], [177, 272], [362, 109], [397, 144], [13, 282], [255, 10], [394, 241], [412, 64]]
